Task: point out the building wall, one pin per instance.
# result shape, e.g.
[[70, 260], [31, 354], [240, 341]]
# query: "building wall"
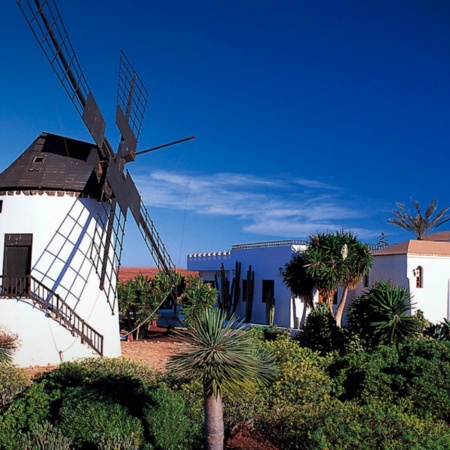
[[433, 299], [266, 260], [63, 231]]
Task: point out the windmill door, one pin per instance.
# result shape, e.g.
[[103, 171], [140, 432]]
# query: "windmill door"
[[17, 264]]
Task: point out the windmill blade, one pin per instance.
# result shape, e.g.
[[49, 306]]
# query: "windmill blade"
[[132, 98], [46, 23], [148, 231]]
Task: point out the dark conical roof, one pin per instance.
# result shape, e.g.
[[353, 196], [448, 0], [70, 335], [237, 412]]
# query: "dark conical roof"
[[55, 163]]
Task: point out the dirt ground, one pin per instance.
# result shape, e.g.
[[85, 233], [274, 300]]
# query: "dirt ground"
[[154, 352]]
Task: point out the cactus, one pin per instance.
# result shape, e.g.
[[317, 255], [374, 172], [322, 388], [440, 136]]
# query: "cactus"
[[223, 290], [270, 311], [249, 294], [235, 289], [229, 299]]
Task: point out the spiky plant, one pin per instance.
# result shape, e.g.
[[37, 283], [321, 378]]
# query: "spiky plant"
[[418, 224], [392, 306], [225, 359], [383, 315], [8, 343]]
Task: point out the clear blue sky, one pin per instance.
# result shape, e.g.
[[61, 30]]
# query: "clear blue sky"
[[308, 115]]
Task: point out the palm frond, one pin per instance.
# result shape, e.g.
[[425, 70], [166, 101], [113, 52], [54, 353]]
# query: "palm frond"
[[222, 356]]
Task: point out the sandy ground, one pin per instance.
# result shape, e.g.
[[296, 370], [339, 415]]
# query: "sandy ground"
[[154, 352]]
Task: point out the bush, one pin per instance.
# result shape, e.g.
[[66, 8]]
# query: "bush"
[[351, 426], [382, 315], [414, 376], [347, 425], [12, 381], [101, 403], [169, 423], [320, 332], [86, 416]]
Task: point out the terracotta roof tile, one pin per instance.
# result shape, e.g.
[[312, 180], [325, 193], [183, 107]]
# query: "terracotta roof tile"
[[416, 247]]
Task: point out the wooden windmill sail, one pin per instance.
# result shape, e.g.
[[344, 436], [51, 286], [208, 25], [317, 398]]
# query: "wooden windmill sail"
[[118, 189], [63, 206]]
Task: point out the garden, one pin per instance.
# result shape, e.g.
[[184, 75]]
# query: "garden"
[[380, 382]]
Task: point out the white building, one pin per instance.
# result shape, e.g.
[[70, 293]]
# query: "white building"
[[266, 260], [420, 266], [52, 242]]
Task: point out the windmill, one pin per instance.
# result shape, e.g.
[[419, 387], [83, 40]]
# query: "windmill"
[[101, 193]]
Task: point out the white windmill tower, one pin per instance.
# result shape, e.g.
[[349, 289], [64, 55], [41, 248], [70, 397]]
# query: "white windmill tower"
[[63, 208]]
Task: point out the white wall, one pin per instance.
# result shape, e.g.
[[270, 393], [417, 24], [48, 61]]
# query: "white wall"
[[266, 262], [63, 229], [433, 297]]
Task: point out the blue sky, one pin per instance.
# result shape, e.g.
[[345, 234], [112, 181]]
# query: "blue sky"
[[309, 116]]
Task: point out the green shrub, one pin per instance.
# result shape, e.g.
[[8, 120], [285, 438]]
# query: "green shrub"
[[382, 315], [101, 403], [86, 416], [168, 421], [415, 376], [347, 425], [302, 378], [44, 436], [320, 332], [13, 380], [351, 426]]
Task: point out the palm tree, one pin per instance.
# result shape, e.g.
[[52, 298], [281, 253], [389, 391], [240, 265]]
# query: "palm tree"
[[419, 225], [8, 343], [336, 259], [325, 264], [296, 278], [358, 260], [225, 359]]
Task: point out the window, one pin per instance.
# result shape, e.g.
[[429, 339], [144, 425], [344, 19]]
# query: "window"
[[17, 264], [418, 273], [37, 163], [267, 290]]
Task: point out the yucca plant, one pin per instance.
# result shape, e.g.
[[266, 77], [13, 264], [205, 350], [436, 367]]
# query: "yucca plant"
[[225, 359], [384, 313], [8, 343]]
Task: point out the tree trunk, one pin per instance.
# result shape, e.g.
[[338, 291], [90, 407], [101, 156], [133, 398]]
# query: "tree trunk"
[[341, 307], [303, 319], [213, 428]]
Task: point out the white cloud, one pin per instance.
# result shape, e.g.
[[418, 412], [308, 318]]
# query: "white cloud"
[[284, 207]]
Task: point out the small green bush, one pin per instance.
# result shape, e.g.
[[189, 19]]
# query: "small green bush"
[[301, 378], [86, 416], [44, 436], [101, 404], [347, 425], [414, 375], [13, 380], [168, 422], [375, 426], [320, 332], [382, 315]]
